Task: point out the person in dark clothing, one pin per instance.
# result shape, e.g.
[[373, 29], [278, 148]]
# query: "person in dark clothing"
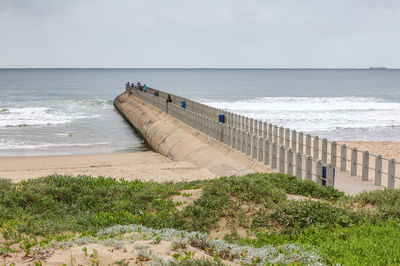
[[169, 100], [156, 93]]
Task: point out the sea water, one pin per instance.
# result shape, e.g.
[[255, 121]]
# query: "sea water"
[[70, 111]]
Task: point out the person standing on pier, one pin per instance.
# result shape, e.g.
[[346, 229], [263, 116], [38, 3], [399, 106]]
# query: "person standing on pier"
[[169, 100]]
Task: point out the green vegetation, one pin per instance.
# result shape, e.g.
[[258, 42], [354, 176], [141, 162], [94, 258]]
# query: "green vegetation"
[[347, 230]]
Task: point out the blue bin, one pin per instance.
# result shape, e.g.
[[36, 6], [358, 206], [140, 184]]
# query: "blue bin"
[[324, 175], [221, 118], [183, 104]]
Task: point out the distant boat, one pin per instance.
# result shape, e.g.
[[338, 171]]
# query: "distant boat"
[[378, 68]]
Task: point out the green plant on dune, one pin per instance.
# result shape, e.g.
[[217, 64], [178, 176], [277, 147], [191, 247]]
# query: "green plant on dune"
[[367, 225]]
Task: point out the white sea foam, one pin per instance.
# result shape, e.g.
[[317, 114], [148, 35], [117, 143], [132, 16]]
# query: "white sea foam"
[[306, 104], [89, 104], [310, 114], [10, 144], [54, 112], [37, 116]]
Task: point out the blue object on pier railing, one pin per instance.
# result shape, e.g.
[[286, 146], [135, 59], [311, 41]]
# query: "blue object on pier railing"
[[183, 104], [222, 118], [325, 175]]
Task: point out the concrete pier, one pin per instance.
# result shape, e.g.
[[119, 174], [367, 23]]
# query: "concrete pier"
[[241, 144], [179, 142]]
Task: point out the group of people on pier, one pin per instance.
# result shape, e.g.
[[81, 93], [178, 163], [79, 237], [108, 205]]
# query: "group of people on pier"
[[144, 88], [137, 86]]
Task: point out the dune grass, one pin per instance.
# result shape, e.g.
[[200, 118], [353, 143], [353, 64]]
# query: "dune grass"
[[347, 230]]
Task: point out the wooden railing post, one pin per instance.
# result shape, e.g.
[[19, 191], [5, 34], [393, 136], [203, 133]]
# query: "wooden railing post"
[[316, 147], [309, 167], [378, 170], [225, 134], [281, 137], [391, 173], [282, 159], [248, 144], [333, 153], [325, 150], [260, 149], [365, 166], [294, 141], [299, 165], [318, 172], [233, 142], [270, 133], [353, 161], [266, 149], [274, 156], [238, 139], [308, 144], [343, 157], [329, 175], [244, 141], [287, 138], [289, 161], [254, 146], [301, 142]]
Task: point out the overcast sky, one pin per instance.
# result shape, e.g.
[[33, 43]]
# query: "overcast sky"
[[200, 33]]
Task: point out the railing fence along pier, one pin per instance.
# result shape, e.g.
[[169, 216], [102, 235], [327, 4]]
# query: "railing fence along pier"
[[283, 149]]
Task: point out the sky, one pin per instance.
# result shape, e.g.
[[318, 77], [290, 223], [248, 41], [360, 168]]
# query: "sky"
[[199, 33]]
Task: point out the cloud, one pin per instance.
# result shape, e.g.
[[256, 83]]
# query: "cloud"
[[181, 33]]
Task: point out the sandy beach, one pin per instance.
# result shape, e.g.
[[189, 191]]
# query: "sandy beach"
[[145, 166], [387, 149], [140, 165]]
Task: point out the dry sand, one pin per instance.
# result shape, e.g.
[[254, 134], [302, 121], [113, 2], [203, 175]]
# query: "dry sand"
[[101, 254], [145, 166], [387, 149]]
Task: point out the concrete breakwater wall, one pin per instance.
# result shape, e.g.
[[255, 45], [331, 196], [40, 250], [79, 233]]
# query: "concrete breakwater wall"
[[174, 139], [280, 145], [243, 144]]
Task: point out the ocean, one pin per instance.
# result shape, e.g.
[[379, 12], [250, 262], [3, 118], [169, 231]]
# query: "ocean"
[[70, 111]]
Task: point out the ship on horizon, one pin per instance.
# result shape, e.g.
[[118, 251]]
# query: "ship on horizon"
[[378, 68]]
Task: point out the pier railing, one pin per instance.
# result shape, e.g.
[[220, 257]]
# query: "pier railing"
[[283, 149]]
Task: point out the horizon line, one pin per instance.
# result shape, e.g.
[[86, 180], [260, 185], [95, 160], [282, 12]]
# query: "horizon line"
[[197, 68]]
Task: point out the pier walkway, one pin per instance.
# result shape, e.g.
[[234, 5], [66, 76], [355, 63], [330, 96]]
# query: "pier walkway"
[[280, 149]]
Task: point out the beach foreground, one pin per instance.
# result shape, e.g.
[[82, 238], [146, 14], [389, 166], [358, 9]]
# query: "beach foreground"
[[263, 218], [145, 166]]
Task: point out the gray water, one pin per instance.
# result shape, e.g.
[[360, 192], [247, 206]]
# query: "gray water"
[[69, 111]]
